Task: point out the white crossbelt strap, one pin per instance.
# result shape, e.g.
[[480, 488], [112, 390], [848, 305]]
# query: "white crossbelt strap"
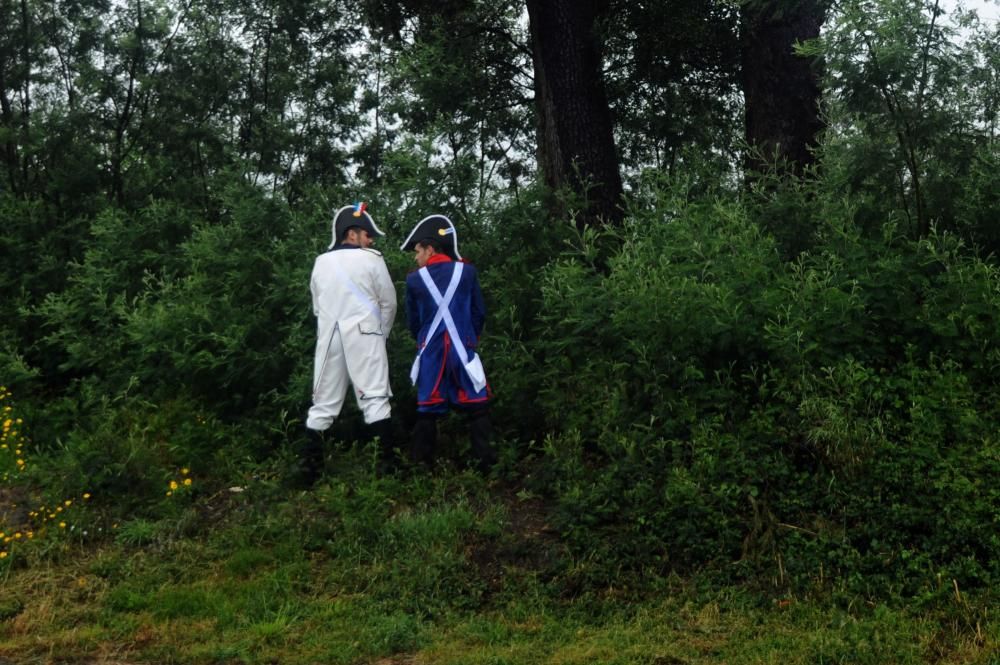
[[359, 294], [473, 367], [361, 298], [442, 302]]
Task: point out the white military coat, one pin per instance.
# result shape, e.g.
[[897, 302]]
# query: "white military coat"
[[354, 301]]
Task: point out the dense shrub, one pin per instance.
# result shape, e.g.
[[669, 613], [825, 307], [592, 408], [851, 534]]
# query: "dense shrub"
[[829, 415], [699, 392]]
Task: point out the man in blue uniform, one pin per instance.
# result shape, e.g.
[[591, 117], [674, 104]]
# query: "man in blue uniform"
[[446, 313]]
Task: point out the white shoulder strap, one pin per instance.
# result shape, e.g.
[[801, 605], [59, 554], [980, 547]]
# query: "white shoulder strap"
[[441, 301], [474, 367], [360, 295]]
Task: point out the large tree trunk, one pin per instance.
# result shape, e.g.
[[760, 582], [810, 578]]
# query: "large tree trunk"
[[13, 68], [576, 141], [781, 90], [11, 159]]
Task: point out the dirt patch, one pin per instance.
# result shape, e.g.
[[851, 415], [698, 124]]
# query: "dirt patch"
[[527, 544], [14, 502]]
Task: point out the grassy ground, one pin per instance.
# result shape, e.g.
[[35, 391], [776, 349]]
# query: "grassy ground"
[[443, 569]]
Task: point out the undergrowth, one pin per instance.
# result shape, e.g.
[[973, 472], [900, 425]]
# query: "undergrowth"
[[449, 568]]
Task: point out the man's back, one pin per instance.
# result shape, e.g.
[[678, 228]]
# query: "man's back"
[[351, 288], [466, 307]]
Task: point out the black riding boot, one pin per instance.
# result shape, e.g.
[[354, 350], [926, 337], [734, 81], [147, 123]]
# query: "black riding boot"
[[424, 443], [310, 459], [481, 437], [388, 461]]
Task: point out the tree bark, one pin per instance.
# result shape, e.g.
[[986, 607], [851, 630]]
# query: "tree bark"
[[124, 119], [7, 121], [781, 89], [26, 102], [576, 145]]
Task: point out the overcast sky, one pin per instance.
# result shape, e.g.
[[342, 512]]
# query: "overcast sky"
[[988, 10]]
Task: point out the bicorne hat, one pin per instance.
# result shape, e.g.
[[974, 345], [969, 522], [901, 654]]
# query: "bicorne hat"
[[355, 215], [434, 227]]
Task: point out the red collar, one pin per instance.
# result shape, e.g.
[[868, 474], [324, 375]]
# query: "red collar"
[[439, 258]]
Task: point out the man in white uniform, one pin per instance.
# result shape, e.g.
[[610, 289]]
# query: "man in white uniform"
[[354, 301]]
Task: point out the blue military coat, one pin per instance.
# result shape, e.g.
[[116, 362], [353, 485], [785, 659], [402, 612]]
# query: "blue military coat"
[[442, 380]]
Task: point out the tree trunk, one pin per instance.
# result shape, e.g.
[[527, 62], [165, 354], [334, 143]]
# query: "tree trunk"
[[576, 141], [124, 119], [781, 90], [26, 101], [7, 122]]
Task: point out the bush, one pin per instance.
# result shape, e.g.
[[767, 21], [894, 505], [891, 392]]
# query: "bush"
[[829, 415], [698, 393]]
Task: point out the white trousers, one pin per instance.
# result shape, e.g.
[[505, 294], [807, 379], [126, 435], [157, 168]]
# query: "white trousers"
[[364, 364]]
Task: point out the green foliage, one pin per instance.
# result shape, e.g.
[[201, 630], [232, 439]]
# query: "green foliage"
[[829, 414], [912, 102], [794, 385], [978, 204], [672, 78], [138, 532], [248, 590], [196, 308], [10, 607]]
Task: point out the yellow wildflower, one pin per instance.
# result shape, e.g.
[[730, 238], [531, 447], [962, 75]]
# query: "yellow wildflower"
[[62, 525], [187, 481], [169, 493], [3, 555], [86, 495], [185, 471], [173, 484], [17, 536], [68, 502]]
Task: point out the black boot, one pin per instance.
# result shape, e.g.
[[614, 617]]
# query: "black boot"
[[388, 460], [481, 437], [424, 443], [309, 466]]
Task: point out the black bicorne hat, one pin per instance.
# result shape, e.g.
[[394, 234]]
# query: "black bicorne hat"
[[355, 215], [434, 227]]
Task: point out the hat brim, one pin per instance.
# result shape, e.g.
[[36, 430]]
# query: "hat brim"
[[417, 235], [345, 218]]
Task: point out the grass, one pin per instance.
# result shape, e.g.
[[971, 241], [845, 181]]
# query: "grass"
[[444, 569]]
